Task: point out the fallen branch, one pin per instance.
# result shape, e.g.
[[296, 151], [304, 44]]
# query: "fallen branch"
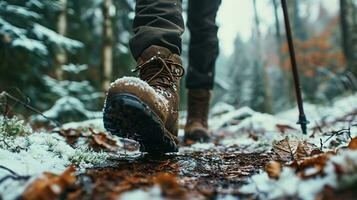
[[13, 175], [26, 105]]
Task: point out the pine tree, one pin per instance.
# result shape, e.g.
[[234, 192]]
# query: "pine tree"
[[28, 46]]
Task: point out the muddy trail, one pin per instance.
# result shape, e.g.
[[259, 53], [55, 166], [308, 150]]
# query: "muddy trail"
[[251, 155], [199, 175], [219, 169]]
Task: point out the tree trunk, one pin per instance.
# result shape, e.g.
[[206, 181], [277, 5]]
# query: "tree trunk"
[[267, 91], [107, 48], [348, 17], [277, 24], [295, 20], [61, 56]]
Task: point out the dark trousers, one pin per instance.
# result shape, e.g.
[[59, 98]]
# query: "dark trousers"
[[160, 22]]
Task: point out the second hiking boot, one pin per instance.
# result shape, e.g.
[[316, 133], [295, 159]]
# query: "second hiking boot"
[[196, 128], [146, 109]]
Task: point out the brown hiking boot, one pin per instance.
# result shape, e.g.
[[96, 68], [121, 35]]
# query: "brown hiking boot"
[[196, 128], [146, 109]]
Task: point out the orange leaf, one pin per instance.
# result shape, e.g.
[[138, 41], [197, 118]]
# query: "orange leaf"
[[102, 141], [169, 185], [50, 186], [353, 144], [273, 169]]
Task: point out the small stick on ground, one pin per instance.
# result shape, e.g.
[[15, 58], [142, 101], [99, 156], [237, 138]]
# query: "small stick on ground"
[[13, 175]]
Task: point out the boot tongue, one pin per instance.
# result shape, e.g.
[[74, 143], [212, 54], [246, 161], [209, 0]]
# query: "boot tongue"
[[161, 52], [155, 51]]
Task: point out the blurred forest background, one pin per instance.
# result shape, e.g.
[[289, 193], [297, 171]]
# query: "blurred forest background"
[[61, 55]]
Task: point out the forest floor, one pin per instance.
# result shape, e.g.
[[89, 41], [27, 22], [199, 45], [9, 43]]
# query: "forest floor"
[[252, 156]]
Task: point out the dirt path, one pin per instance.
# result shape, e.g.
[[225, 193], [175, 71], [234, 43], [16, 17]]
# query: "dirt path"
[[196, 174]]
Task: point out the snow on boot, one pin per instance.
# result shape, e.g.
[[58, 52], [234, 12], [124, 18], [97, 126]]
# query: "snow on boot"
[[146, 109], [196, 128]]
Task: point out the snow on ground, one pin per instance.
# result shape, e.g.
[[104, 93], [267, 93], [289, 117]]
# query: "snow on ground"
[[153, 193], [267, 128], [328, 113], [244, 123], [289, 184], [32, 153]]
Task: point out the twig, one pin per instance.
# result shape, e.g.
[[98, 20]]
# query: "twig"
[[6, 144], [9, 170], [16, 178], [336, 133], [29, 107], [13, 175]]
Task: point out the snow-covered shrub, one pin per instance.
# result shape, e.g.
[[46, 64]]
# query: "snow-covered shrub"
[[10, 127], [85, 156], [29, 47], [68, 109]]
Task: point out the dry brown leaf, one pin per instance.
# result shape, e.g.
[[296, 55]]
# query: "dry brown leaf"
[[283, 128], [71, 135], [353, 144], [315, 160], [102, 141], [292, 150], [318, 162], [273, 169], [49, 186], [169, 185]]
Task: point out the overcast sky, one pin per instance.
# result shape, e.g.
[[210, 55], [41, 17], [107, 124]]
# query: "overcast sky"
[[236, 16]]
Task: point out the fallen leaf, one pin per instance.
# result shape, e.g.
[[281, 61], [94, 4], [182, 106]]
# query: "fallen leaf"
[[50, 186], [169, 185], [273, 169], [288, 150], [317, 162], [102, 141], [284, 128], [71, 135], [353, 144]]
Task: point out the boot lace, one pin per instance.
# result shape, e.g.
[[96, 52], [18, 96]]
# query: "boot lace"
[[157, 68]]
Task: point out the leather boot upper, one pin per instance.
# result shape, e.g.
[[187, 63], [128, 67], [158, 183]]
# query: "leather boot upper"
[[158, 87], [196, 128]]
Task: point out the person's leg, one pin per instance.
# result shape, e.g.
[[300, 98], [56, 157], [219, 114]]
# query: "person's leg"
[[203, 51], [146, 108], [157, 22], [203, 47]]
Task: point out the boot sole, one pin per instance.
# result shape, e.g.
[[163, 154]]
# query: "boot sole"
[[127, 116]]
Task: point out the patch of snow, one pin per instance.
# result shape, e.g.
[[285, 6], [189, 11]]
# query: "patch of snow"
[[21, 11], [197, 147], [96, 124], [30, 44], [289, 184], [38, 152], [8, 29], [219, 121], [74, 69], [261, 121], [339, 108], [221, 107], [44, 33], [65, 87], [67, 107], [153, 193]]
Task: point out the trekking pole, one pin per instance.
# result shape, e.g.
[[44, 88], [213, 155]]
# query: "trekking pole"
[[302, 118]]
